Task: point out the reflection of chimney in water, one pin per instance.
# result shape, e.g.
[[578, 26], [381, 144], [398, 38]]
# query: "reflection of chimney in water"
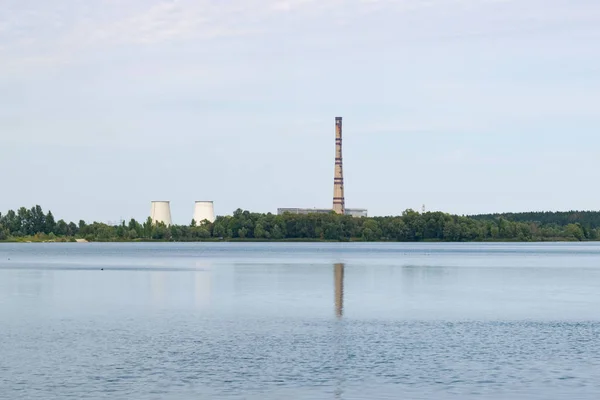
[[338, 272]]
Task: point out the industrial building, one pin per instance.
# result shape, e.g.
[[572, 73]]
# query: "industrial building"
[[339, 200], [355, 212]]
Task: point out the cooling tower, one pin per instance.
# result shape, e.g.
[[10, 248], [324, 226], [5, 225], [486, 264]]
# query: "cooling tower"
[[339, 203], [204, 210], [161, 212]]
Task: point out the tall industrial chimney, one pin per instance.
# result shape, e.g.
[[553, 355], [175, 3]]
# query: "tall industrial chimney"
[[339, 204], [161, 212], [204, 210]]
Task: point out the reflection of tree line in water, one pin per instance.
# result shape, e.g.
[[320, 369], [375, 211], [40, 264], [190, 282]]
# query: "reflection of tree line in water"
[[411, 226]]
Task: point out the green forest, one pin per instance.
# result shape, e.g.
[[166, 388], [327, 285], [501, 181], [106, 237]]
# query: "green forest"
[[35, 225]]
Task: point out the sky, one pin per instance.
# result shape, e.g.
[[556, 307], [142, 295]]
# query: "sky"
[[464, 106]]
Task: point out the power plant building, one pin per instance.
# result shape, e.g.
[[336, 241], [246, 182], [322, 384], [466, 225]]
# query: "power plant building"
[[355, 212], [204, 210], [161, 212], [339, 201]]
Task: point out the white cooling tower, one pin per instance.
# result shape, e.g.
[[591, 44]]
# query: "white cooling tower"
[[161, 212], [204, 210]]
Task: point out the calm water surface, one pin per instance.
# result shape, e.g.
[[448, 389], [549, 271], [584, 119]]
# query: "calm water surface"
[[299, 321]]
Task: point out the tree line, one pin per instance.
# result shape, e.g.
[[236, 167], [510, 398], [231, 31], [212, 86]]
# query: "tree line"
[[35, 225], [587, 219]]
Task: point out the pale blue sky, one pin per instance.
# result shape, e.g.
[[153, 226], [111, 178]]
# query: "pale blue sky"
[[466, 106]]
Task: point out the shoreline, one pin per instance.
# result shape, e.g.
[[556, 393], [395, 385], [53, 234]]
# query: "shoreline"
[[236, 240], [34, 225]]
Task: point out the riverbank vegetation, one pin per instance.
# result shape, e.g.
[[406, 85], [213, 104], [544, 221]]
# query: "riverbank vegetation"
[[34, 225]]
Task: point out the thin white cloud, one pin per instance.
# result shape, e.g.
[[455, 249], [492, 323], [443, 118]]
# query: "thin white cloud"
[[61, 28], [285, 50]]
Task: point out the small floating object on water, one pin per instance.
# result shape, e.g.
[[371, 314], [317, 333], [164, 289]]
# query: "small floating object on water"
[[101, 269]]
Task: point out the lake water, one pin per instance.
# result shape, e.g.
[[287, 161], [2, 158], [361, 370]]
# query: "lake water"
[[299, 321]]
